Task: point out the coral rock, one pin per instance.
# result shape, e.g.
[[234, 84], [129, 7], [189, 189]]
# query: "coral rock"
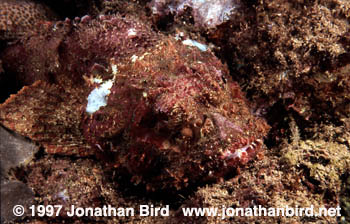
[[206, 14], [21, 16]]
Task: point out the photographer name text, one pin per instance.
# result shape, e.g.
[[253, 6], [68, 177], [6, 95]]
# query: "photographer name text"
[[106, 210]]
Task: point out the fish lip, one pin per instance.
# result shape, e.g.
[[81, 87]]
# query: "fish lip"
[[243, 154]]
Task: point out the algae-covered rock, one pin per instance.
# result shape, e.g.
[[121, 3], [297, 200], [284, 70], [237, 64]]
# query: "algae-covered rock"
[[66, 183], [323, 162], [265, 184]]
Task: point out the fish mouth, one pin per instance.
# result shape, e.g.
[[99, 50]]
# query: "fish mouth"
[[242, 155]]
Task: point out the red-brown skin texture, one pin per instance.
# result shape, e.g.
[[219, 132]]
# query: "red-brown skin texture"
[[55, 59], [62, 53], [174, 117]]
